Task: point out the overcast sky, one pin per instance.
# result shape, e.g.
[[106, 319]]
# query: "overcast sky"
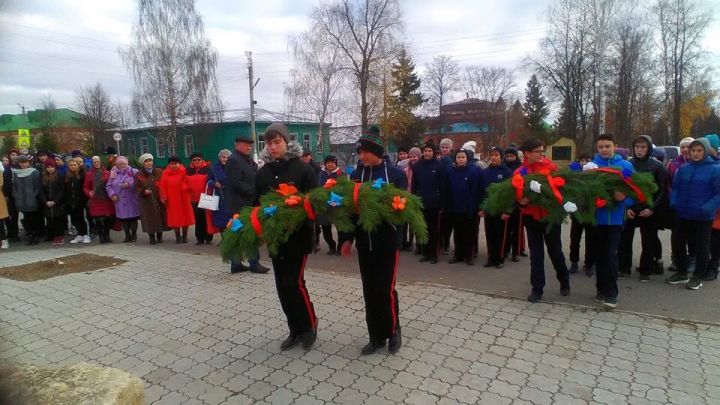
[[55, 46]]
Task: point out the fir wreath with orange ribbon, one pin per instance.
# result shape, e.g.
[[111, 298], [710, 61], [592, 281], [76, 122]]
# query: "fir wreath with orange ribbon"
[[566, 192], [346, 204]]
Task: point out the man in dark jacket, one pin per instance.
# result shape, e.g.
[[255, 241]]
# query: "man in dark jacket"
[[240, 170], [496, 230], [427, 182], [516, 234], [643, 216], [283, 166], [379, 251]]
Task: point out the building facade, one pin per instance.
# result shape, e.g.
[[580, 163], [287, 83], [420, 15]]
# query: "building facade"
[[64, 125]]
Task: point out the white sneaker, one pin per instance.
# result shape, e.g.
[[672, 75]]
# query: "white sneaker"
[[5, 244], [86, 239], [77, 239]]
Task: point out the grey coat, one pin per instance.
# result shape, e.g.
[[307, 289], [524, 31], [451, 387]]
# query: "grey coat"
[[240, 170], [27, 187]]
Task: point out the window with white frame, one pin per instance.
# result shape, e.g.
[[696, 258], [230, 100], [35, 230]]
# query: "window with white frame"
[[160, 147], [293, 136], [261, 146], [306, 142], [171, 150], [188, 144], [143, 146]]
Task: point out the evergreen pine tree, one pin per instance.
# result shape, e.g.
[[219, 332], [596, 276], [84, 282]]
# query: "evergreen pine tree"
[[536, 110], [402, 125]]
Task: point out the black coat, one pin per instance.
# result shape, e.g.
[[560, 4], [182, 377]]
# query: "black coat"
[[240, 191], [427, 182], [53, 190], [74, 194], [659, 173], [291, 171]]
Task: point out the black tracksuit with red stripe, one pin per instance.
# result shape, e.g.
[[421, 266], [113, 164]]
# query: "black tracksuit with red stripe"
[[378, 254], [289, 263]]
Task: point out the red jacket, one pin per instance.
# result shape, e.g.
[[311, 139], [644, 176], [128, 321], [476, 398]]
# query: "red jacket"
[[544, 164], [99, 204], [175, 191], [198, 178]]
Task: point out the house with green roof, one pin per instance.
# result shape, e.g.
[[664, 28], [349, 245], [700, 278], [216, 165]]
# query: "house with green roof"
[[63, 124]]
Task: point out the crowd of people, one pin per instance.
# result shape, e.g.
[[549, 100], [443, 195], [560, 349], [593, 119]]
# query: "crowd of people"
[[88, 197]]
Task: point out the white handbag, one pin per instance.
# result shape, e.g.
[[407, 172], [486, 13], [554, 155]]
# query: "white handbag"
[[209, 201]]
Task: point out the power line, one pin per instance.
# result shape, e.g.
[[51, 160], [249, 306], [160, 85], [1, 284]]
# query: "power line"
[[61, 68]]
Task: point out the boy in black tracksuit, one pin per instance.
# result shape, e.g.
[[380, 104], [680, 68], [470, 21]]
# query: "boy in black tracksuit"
[[643, 216], [496, 229], [379, 251], [427, 182], [516, 234], [283, 165]]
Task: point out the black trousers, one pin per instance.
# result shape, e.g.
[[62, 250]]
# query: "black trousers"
[[606, 239], [649, 237], [13, 230], [327, 234], [537, 233], [56, 226], [496, 237], [516, 235], [289, 270], [688, 246], [576, 232], [446, 229], [201, 233], [432, 220], [3, 223], [378, 270], [33, 222], [714, 251], [463, 228], [696, 233], [77, 218]]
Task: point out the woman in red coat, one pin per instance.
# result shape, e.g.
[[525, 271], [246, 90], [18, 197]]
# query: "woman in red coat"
[[175, 194], [101, 208]]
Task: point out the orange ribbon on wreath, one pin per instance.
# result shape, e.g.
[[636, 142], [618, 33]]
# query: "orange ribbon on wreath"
[[255, 222], [518, 181], [628, 181], [309, 209], [356, 195]]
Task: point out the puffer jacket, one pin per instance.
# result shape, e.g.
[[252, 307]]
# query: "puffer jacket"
[[463, 190], [614, 215], [695, 192]]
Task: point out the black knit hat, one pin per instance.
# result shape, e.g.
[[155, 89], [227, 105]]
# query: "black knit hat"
[[498, 150], [196, 155], [429, 144], [371, 141], [175, 159], [330, 158]]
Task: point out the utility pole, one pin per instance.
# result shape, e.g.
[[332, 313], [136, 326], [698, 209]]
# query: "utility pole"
[[385, 120], [252, 101]]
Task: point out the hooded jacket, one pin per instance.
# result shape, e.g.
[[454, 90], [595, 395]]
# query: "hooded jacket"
[[517, 163], [614, 215], [650, 165], [26, 186], [386, 236], [428, 175], [289, 169], [695, 192]]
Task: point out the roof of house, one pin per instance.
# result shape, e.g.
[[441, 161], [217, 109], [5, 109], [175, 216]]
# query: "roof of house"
[[64, 117]]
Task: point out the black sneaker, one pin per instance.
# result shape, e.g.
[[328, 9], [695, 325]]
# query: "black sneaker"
[[610, 303], [259, 268], [424, 259], [515, 259], [672, 268], [290, 342], [712, 276], [599, 298], [395, 342], [308, 339], [573, 268], [534, 297], [565, 290], [678, 278], [694, 284], [373, 346], [644, 278], [523, 254], [658, 267], [623, 275], [238, 268]]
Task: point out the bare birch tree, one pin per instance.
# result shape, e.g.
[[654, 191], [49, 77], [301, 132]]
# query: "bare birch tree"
[[489, 83], [173, 66], [364, 31], [98, 115], [441, 78]]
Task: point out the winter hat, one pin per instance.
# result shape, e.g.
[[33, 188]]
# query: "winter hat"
[[175, 159], [686, 141], [415, 151], [23, 158], [446, 142], [330, 158], [498, 150], [110, 150], [370, 141], [714, 140], [511, 150], [122, 159], [470, 145], [50, 162], [196, 155], [144, 157], [76, 153], [277, 129]]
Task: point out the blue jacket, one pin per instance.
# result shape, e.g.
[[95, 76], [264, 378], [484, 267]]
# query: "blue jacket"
[[614, 215], [427, 182], [220, 217], [463, 190], [695, 192], [496, 174]]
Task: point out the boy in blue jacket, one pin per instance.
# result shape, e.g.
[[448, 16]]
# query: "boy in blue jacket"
[[695, 197], [609, 223]]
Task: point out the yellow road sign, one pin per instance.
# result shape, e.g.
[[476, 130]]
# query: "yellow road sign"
[[23, 138]]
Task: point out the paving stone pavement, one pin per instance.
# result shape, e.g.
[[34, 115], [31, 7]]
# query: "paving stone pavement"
[[199, 335]]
